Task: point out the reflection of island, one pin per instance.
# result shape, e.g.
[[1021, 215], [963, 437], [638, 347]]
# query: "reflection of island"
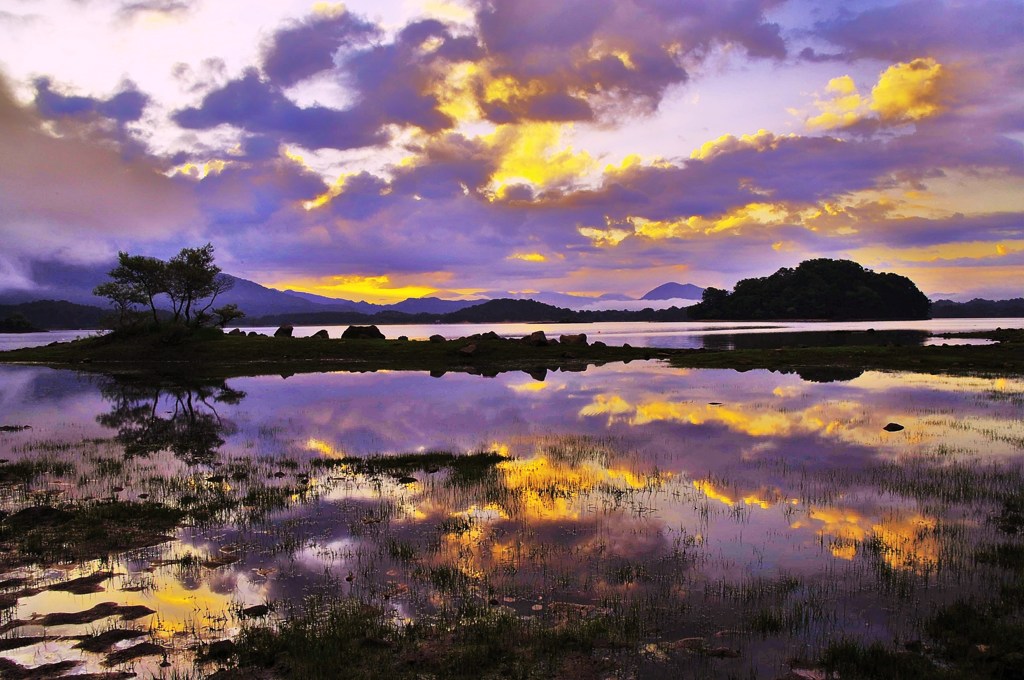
[[156, 416]]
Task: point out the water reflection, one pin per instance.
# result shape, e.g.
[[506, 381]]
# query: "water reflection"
[[151, 416], [618, 488]]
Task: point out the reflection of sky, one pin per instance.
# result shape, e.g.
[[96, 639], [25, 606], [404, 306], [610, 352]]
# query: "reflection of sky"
[[611, 467]]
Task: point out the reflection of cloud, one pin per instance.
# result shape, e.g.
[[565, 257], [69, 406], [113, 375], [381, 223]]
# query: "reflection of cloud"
[[763, 498], [903, 540]]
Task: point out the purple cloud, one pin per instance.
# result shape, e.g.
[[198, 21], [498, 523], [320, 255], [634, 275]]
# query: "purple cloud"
[[307, 47]]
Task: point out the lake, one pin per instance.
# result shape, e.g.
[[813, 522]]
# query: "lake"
[[731, 522]]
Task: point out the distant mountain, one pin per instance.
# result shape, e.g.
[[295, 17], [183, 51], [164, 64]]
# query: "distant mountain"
[[978, 308], [431, 305], [673, 290]]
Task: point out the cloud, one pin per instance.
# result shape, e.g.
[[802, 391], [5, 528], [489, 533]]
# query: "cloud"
[[307, 47], [906, 30], [258, 106], [130, 10], [905, 92], [74, 196], [125, 106], [581, 60]]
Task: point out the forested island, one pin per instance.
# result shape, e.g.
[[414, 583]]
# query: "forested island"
[[821, 289]]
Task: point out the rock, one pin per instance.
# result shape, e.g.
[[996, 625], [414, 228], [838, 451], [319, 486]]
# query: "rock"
[[403, 338], [536, 339], [362, 333], [436, 338], [406, 479], [578, 339], [256, 611], [469, 350], [284, 331], [322, 334], [893, 427], [692, 644], [253, 334], [599, 344], [236, 331]]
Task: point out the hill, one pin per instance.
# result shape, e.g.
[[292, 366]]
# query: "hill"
[[492, 311], [673, 290], [820, 289], [57, 314]]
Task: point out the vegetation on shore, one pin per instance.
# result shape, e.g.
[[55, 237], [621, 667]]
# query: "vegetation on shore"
[[208, 352], [1004, 356]]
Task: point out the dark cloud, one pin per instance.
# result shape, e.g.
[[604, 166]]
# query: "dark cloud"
[[908, 30], [260, 107], [448, 166], [124, 107], [391, 83], [307, 47], [579, 53]]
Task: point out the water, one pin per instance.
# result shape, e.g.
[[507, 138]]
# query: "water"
[[704, 500], [10, 341]]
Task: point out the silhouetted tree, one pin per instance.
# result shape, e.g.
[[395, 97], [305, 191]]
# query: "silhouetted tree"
[[123, 297], [191, 278], [146, 276], [227, 314]]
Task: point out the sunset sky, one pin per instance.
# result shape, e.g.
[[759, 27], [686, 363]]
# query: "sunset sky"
[[380, 150]]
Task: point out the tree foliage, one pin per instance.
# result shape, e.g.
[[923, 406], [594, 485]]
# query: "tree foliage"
[[817, 289], [190, 280]]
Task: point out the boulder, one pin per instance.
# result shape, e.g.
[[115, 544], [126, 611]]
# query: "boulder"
[[436, 338], [469, 350], [362, 333], [284, 331], [599, 344], [322, 334], [237, 331], [536, 339], [578, 339], [893, 427], [253, 334]]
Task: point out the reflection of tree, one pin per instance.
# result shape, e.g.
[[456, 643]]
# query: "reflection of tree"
[[157, 416]]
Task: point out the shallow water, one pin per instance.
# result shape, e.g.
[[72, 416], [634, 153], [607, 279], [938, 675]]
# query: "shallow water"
[[705, 501]]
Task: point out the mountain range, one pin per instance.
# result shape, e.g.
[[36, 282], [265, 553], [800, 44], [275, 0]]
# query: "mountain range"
[[74, 283]]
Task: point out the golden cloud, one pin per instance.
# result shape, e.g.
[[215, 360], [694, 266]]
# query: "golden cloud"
[[905, 92]]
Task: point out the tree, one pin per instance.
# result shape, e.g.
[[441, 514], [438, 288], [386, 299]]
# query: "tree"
[[191, 278], [817, 289], [145, 276], [227, 314], [122, 296]]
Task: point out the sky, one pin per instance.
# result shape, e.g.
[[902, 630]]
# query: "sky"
[[382, 149]]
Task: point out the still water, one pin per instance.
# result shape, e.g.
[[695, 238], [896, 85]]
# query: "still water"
[[765, 513]]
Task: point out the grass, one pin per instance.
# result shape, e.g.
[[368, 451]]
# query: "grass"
[[334, 635], [82, 531]]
